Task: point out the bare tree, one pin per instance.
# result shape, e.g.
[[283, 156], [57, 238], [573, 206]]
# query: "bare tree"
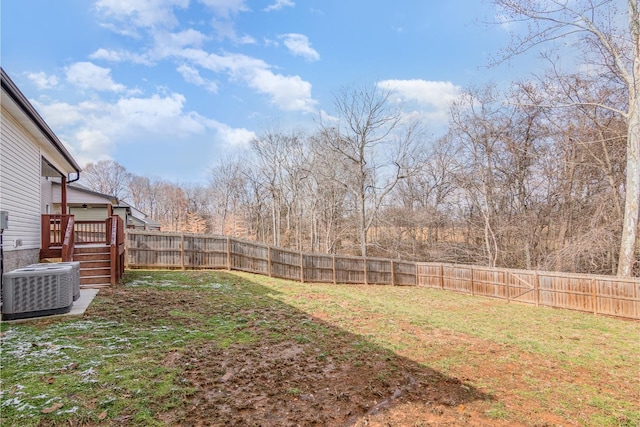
[[227, 187], [500, 145], [198, 208], [420, 217], [584, 174], [476, 122], [278, 157], [376, 149], [327, 197], [107, 177], [145, 194], [612, 48]]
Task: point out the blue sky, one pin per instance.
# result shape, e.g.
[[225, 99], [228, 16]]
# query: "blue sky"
[[168, 87]]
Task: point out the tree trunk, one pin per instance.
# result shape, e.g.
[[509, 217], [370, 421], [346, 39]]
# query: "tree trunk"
[[626, 258], [632, 199], [363, 223]]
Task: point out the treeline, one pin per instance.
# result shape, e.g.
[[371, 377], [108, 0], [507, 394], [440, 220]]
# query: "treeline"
[[544, 174], [513, 183]]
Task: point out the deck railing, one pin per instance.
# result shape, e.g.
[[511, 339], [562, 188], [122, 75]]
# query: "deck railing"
[[68, 241], [115, 239], [61, 233], [52, 230], [91, 232]]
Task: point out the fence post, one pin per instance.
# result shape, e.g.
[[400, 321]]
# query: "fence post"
[[301, 267], [506, 276], [536, 287], [393, 280], [269, 260], [442, 276], [473, 292], [182, 251], [229, 253], [366, 281], [594, 298], [333, 267]]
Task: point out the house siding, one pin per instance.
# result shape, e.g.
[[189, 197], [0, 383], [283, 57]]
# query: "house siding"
[[46, 195], [89, 214], [122, 213], [79, 197], [20, 161]]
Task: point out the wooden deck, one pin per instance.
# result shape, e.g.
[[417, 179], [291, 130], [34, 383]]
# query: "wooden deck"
[[97, 245]]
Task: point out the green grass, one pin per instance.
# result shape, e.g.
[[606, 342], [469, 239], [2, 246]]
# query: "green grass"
[[560, 341], [498, 411], [111, 367], [87, 366], [572, 337]]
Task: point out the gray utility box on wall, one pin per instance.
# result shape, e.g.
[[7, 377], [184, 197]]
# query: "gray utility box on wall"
[[4, 220]]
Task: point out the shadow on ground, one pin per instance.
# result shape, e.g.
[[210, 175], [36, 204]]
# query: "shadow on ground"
[[271, 364]]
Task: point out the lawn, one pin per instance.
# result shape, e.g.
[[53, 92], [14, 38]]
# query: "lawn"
[[220, 348]]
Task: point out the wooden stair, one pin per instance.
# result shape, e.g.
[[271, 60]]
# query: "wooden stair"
[[95, 265]]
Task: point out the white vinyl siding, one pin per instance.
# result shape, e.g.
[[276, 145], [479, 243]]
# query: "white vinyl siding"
[[20, 162], [89, 214], [79, 197], [46, 190]]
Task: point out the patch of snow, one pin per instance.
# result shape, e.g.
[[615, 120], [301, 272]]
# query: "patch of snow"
[[157, 284], [17, 403], [88, 376], [40, 396], [223, 286]]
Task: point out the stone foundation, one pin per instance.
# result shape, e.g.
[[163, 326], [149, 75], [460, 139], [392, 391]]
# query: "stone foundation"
[[18, 259]]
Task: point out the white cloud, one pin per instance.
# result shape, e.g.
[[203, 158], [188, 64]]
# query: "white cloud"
[[225, 29], [92, 144], [299, 45], [170, 44], [127, 30], [156, 115], [59, 114], [187, 38], [225, 8], [42, 80], [119, 56], [279, 4], [142, 13], [239, 137], [246, 39], [87, 75], [191, 75], [325, 116], [93, 129], [431, 99], [289, 93], [435, 94]]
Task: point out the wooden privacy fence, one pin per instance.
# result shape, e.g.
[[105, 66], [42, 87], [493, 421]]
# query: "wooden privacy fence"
[[606, 295]]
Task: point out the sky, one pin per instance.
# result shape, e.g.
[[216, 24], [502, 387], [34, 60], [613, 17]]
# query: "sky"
[[168, 88]]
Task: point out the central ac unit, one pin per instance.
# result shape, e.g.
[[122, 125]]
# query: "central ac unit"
[[75, 266], [30, 292]]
